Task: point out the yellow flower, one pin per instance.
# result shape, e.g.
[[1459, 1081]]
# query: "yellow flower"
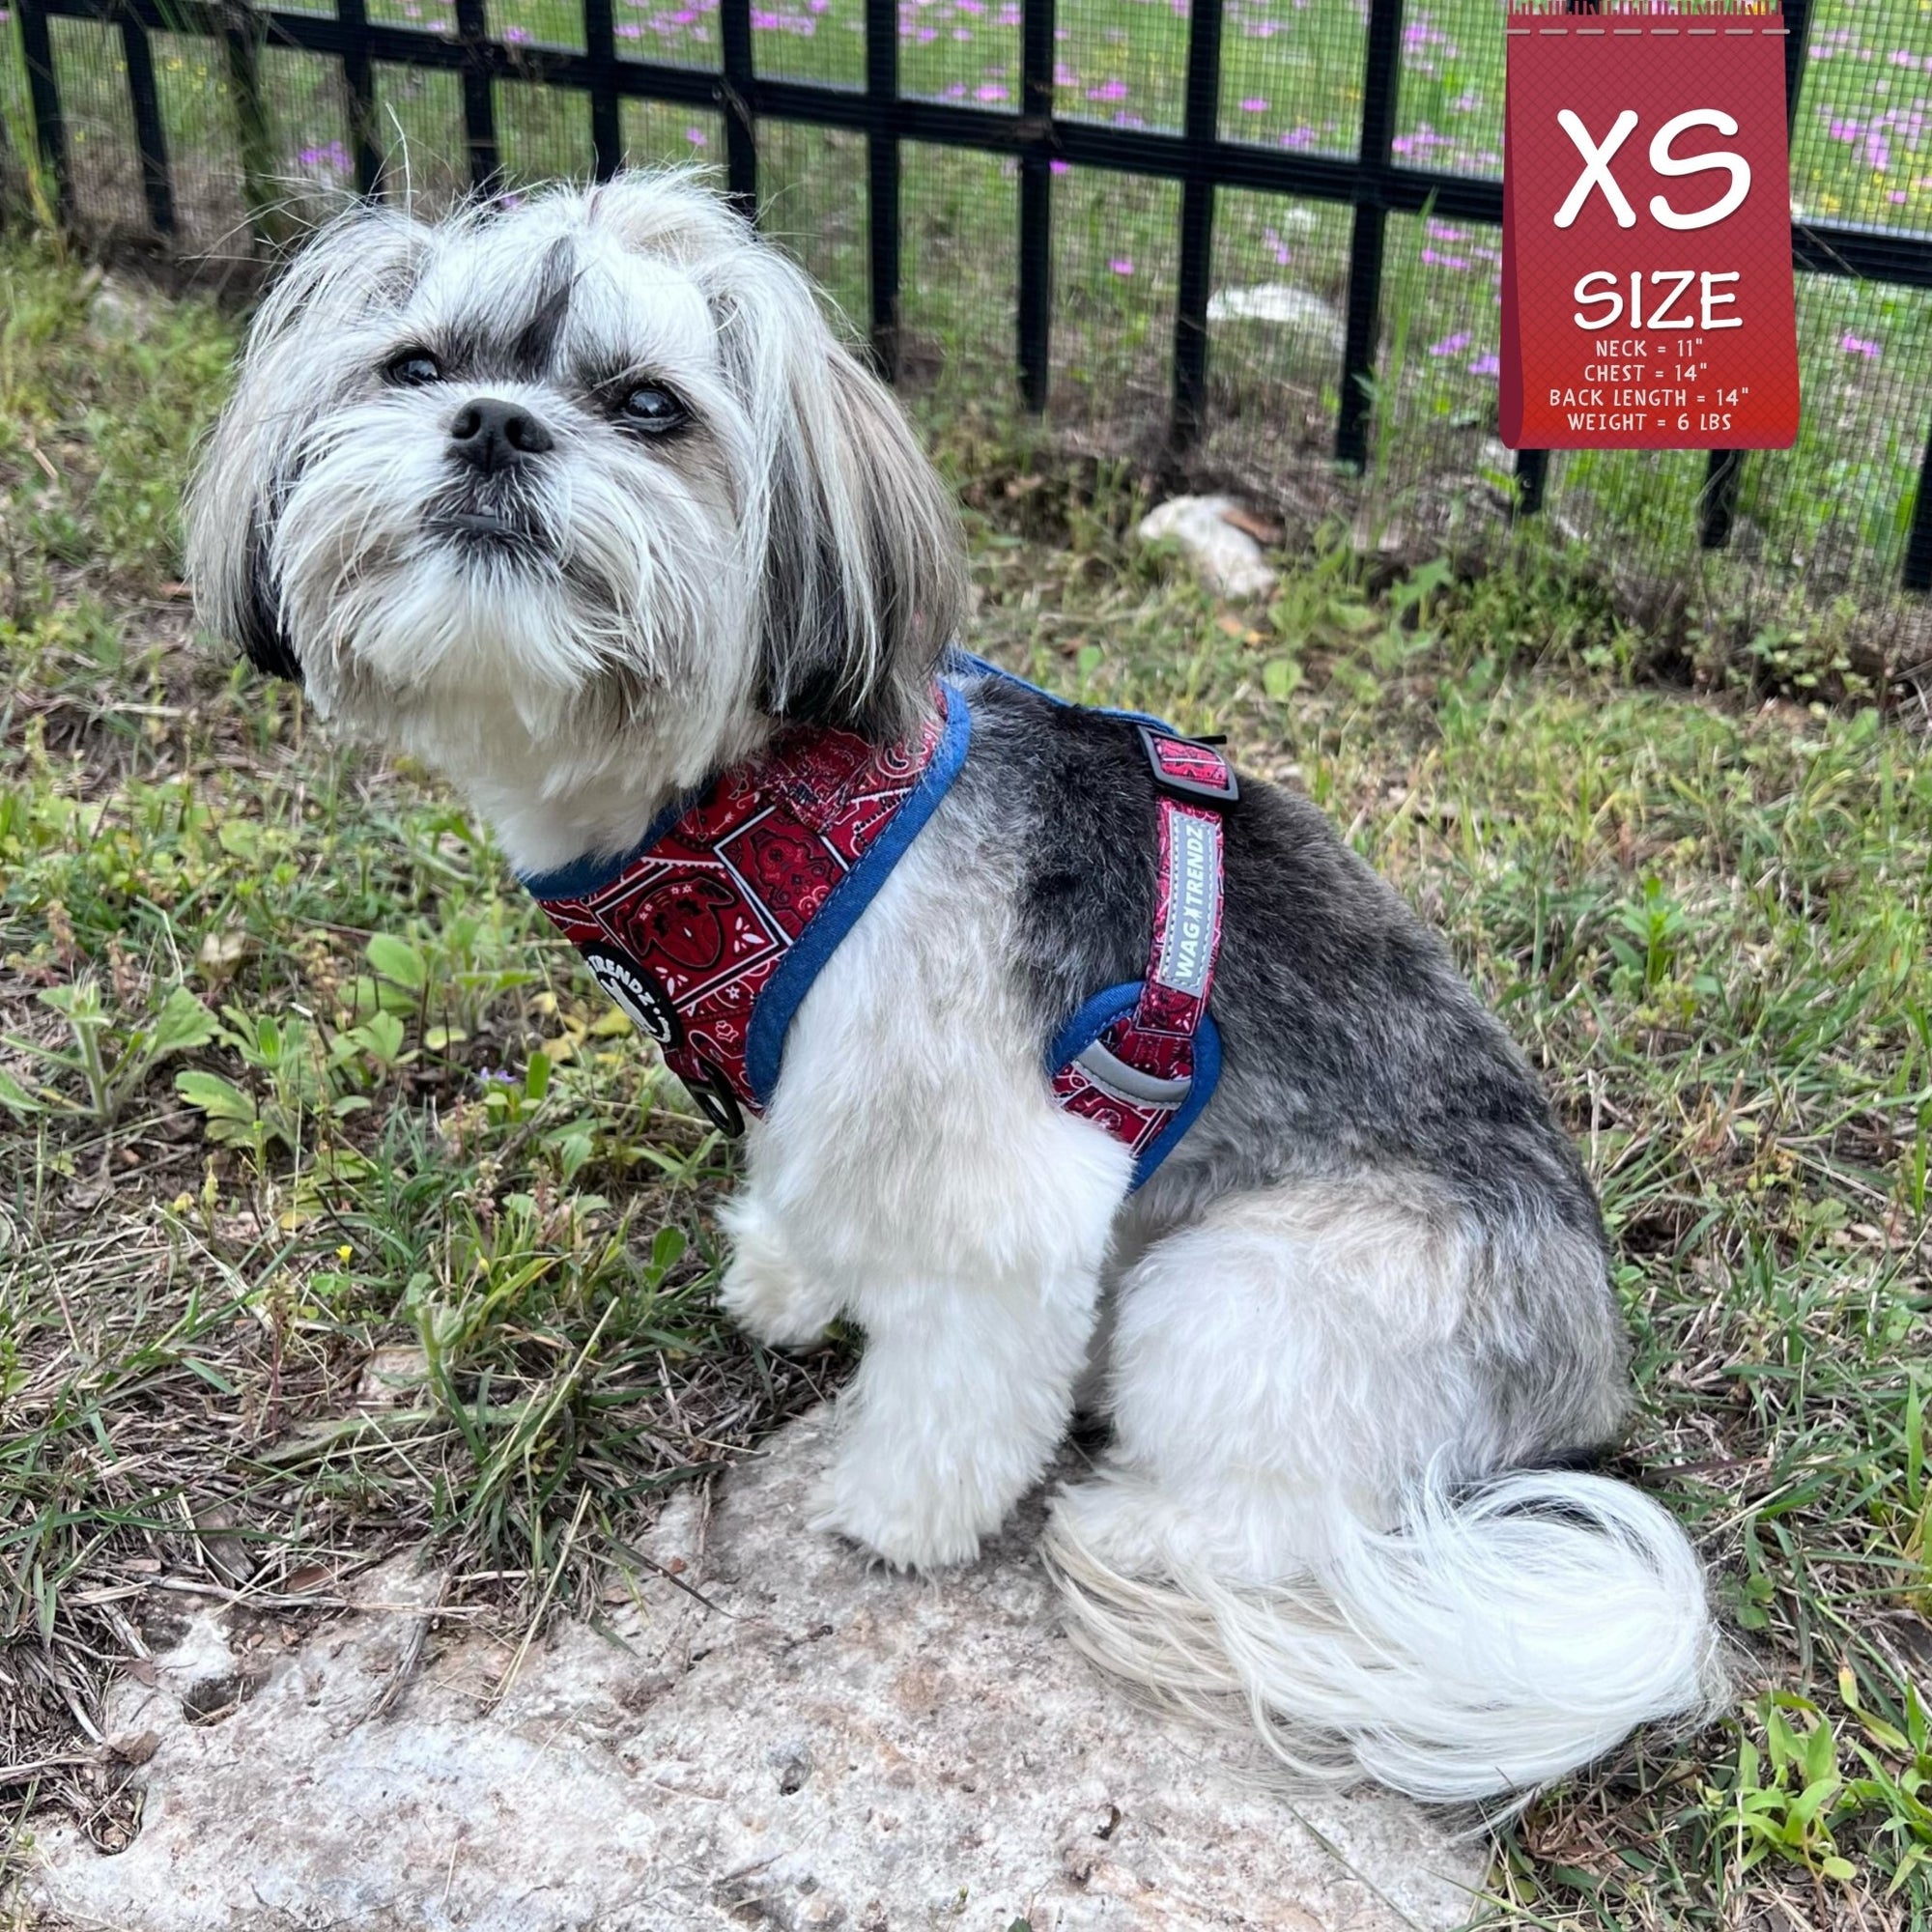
[[345, 1253]]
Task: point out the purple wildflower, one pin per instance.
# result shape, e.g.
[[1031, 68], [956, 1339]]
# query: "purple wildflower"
[[332, 159]]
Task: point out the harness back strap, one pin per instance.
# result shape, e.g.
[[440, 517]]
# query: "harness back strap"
[[1142, 1060]]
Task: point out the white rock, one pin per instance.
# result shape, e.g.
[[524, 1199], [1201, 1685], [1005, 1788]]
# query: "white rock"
[[1284, 303], [1225, 556], [826, 1745]]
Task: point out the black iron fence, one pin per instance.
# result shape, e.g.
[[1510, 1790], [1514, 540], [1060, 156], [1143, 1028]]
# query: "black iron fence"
[[1374, 183]]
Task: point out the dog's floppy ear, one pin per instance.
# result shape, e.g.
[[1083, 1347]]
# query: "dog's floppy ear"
[[286, 381], [231, 509], [863, 576]]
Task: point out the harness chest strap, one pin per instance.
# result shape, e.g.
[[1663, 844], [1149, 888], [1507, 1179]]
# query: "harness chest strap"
[[712, 931], [1142, 1060], [1145, 1066]]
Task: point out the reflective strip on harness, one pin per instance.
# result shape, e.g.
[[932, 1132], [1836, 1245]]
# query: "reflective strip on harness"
[[1141, 1062]]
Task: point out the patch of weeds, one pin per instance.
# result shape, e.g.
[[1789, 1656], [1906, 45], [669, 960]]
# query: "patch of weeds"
[[339, 1210], [415, 1240], [1790, 1800]]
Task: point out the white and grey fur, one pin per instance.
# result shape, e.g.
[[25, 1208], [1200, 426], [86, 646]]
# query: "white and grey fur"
[[1357, 1335]]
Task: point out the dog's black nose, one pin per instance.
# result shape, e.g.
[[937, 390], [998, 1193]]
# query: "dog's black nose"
[[494, 434]]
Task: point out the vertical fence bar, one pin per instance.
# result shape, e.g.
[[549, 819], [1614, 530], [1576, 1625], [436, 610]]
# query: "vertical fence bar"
[[1201, 126], [479, 100], [741, 147], [43, 95], [1718, 501], [244, 32], [1532, 482], [1797, 51], [150, 139], [1034, 319], [358, 83], [600, 45], [1379, 80], [882, 202], [1918, 574]]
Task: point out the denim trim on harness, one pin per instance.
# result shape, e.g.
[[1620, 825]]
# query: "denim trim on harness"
[[783, 992]]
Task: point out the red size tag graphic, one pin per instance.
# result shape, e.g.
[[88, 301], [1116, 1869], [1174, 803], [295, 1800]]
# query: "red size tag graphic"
[[1647, 292]]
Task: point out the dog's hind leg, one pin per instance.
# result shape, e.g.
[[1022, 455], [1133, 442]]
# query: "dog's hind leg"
[[1287, 1364], [1322, 1511]]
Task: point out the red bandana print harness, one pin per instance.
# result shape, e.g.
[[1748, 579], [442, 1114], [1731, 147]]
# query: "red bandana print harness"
[[711, 931]]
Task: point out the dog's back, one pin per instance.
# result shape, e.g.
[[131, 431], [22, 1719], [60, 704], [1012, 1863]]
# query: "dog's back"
[[1367, 1329]]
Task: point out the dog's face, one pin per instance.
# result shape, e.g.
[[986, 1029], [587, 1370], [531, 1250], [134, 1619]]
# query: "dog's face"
[[577, 496]]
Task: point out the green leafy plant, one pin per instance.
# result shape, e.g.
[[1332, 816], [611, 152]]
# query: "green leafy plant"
[[1793, 1801], [292, 1078], [1894, 1797], [110, 1058], [1780, 1800]]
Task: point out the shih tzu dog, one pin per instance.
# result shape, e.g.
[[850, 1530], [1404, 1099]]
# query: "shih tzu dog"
[[1065, 1060]]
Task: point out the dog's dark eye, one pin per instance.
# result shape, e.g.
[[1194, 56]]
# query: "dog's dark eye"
[[412, 368], [652, 409]]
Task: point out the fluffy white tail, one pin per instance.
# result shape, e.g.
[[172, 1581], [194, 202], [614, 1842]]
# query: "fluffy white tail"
[[1498, 1641]]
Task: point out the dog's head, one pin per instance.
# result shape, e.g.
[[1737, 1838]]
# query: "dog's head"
[[579, 492]]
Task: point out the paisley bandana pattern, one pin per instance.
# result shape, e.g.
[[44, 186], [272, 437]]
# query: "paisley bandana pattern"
[[695, 926]]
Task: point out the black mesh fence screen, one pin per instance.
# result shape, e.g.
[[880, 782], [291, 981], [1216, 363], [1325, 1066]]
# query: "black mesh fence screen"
[[1237, 238]]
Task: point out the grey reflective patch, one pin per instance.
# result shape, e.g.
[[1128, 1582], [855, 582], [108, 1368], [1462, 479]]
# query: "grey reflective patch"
[[1193, 903], [1129, 1081]]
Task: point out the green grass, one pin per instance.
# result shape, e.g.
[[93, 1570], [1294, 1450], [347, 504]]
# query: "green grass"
[[340, 1211]]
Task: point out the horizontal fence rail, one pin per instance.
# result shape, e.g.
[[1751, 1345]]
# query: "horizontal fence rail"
[[1372, 182]]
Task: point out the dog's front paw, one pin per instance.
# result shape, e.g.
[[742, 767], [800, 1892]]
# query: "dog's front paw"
[[769, 1301], [895, 1521]]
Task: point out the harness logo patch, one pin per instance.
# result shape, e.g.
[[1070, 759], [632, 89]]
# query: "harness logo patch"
[[1193, 897], [638, 993]]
